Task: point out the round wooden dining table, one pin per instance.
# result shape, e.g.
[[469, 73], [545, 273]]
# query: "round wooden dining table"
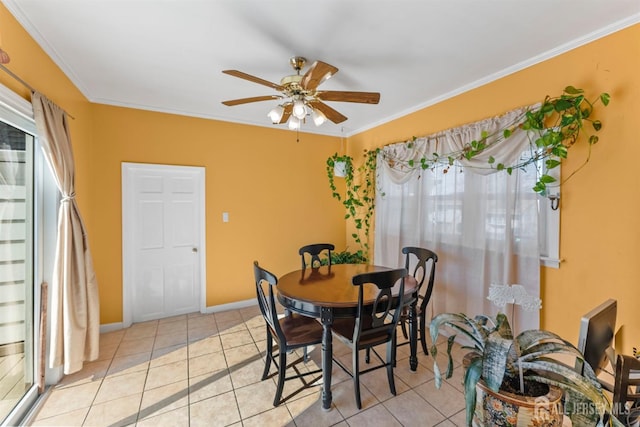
[[327, 293]]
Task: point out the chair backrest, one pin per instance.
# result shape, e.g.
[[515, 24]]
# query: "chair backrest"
[[314, 251], [627, 375], [423, 270], [381, 318], [265, 282]]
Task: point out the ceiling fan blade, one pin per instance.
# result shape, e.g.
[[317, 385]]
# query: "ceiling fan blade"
[[316, 74], [252, 99], [331, 114], [288, 109], [254, 79], [343, 96]]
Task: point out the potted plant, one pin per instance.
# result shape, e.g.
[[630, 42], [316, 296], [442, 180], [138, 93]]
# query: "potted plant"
[[502, 371], [345, 257], [341, 165]]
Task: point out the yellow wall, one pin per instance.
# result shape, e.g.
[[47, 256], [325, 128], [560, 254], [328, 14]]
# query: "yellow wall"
[[276, 193], [274, 188], [32, 65], [600, 207]]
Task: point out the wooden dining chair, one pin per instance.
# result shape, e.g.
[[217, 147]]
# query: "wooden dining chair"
[[373, 325], [626, 388], [313, 253], [423, 271], [290, 332]]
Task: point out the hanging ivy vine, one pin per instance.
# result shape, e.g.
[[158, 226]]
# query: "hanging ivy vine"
[[359, 198], [553, 128]]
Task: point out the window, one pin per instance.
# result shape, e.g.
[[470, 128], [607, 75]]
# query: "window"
[[482, 223], [446, 214], [549, 226], [27, 217]]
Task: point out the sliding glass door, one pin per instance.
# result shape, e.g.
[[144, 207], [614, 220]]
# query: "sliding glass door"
[[28, 206], [16, 266]]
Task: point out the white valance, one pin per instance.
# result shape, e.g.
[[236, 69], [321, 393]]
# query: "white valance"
[[394, 158]]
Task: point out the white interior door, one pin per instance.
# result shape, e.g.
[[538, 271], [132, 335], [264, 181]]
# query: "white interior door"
[[163, 237]]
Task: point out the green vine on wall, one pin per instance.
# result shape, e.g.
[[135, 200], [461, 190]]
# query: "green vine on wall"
[[359, 198], [553, 128]]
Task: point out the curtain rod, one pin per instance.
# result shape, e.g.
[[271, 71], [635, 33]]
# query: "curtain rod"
[[27, 85]]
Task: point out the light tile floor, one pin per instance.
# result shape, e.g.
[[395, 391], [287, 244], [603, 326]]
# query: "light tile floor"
[[204, 370]]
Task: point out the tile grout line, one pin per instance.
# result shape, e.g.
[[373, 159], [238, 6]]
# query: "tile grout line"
[[189, 374], [84, 420], [146, 377], [106, 373], [226, 362]]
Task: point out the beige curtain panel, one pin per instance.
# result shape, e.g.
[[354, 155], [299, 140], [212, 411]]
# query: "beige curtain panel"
[[75, 306]]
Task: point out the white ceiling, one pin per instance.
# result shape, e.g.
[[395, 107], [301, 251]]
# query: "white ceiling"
[[167, 55]]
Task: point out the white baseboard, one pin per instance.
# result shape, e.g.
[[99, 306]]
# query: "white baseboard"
[[232, 306], [110, 327]]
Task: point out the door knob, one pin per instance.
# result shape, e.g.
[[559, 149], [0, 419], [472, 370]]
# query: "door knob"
[[194, 250]]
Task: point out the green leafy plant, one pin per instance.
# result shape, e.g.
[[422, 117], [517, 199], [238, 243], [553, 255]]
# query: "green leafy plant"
[[553, 128], [359, 197], [503, 361], [345, 257]]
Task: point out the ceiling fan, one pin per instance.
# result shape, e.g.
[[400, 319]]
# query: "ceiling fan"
[[300, 95]]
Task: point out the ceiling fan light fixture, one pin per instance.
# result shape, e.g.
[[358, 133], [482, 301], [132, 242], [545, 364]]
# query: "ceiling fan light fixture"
[[299, 109], [276, 114], [318, 117], [294, 123]]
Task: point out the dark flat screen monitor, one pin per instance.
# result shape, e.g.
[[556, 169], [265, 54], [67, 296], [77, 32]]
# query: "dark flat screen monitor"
[[597, 330]]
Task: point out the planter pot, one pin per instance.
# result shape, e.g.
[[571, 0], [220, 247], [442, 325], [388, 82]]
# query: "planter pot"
[[512, 410], [340, 169], [633, 418]]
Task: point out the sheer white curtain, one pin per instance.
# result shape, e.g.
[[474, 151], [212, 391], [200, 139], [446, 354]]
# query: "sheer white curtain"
[[482, 225]]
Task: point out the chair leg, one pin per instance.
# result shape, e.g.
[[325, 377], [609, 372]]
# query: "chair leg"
[[282, 370], [267, 363], [395, 352], [403, 325], [391, 360], [356, 377], [423, 335], [367, 355], [305, 356]]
